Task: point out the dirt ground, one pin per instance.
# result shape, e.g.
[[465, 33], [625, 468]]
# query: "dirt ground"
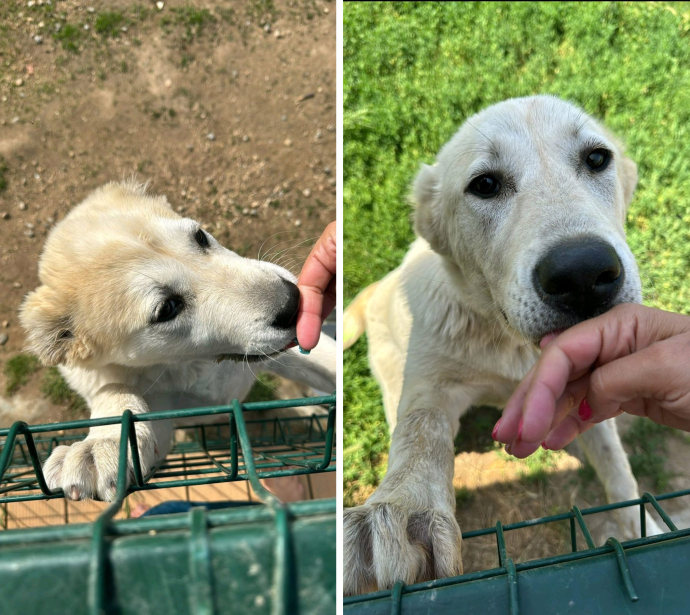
[[227, 108], [494, 486]]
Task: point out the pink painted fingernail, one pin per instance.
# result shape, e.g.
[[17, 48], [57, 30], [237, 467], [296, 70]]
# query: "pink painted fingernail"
[[543, 445], [585, 411], [495, 431], [519, 429]]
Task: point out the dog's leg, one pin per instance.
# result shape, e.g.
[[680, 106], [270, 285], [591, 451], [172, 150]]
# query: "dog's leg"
[[88, 469], [604, 451], [407, 530], [316, 370]]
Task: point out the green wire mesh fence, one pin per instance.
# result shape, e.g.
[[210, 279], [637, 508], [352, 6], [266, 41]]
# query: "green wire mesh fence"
[[255, 559], [645, 575]]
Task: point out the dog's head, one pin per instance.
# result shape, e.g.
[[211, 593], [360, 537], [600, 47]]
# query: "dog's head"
[[126, 280], [528, 200]]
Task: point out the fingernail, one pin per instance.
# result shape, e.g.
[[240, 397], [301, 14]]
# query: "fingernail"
[[495, 431], [585, 411], [302, 350], [543, 445], [509, 449], [519, 429]]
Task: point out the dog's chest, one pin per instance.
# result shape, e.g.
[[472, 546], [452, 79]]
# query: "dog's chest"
[[194, 384], [190, 384], [492, 375]]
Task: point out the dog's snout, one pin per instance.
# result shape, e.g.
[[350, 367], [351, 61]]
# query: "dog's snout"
[[287, 313], [581, 276]]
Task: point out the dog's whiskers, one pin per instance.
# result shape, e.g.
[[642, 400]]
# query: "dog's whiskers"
[[258, 257], [165, 368], [291, 257], [289, 264], [268, 252], [275, 256], [275, 358]]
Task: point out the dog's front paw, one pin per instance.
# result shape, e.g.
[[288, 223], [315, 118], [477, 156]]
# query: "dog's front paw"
[[89, 469], [384, 543]]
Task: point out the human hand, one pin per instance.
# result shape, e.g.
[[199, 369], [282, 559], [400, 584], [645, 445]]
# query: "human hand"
[[631, 359], [317, 288]]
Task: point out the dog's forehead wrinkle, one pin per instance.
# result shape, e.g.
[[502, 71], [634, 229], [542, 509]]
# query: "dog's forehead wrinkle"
[[489, 142], [504, 142]]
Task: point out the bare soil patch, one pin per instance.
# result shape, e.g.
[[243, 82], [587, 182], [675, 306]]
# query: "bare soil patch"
[[228, 108]]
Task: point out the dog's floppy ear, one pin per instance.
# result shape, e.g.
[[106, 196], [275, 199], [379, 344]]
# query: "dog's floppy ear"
[[628, 177], [426, 194], [45, 318]]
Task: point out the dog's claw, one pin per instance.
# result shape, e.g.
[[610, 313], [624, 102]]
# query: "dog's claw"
[[74, 494]]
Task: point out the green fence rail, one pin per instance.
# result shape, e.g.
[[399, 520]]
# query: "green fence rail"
[[645, 575], [256, 559]]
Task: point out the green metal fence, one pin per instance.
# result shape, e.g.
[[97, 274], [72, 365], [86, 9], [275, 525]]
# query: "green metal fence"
[[647, 575], [257, 559]]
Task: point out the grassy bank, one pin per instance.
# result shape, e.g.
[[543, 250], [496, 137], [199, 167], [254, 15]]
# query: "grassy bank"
[[414, 71]]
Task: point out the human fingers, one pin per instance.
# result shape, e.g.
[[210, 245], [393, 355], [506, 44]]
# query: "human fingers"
[[316, 288]]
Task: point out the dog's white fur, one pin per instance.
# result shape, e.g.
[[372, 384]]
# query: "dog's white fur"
[[457, 324], [105, 271]]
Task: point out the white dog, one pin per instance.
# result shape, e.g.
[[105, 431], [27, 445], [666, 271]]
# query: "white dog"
[[520, 226], [137, 306]]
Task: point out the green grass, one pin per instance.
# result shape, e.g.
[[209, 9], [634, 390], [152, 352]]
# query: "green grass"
[[264, 389], [69, 37], [463, 496], [56, 389], [194, 20], [109, 23], [586, 473], [190, 16], [262, 11], [18, 370], [649, 451], [538, 466], [413, 72], [475, 430]]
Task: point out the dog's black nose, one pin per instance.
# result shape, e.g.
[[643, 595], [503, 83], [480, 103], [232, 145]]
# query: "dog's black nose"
[[580, 275], [287, 314]]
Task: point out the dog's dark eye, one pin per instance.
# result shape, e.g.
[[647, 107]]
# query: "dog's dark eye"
[[201, 238], [485, 186], [169, 309], [598, 159]]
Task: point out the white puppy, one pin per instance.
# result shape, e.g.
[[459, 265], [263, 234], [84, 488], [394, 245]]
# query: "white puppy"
[[521, 232], [137, 305]]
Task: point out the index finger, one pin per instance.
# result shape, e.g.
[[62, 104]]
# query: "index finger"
[[314, 280], [565, 359], [625, 330]]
